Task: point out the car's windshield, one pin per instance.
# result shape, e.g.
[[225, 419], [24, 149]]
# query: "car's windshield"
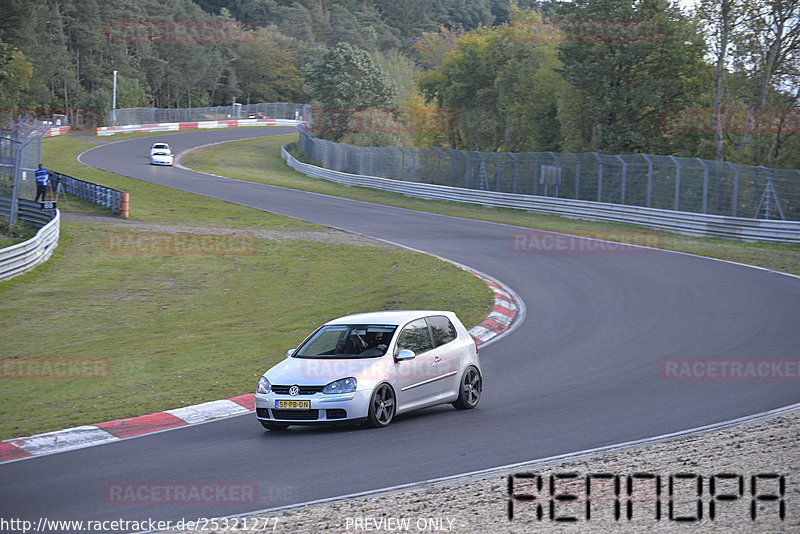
[[347, 341]]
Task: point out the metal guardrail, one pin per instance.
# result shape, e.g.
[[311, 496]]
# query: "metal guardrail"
[[673, 183], [22, 257], [113, 199], [676, 221]]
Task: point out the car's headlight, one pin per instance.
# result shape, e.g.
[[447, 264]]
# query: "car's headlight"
[[345, 385], [263, 385]]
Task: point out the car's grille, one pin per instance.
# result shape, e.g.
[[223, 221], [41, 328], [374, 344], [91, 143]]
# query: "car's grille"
[[304, 390], [337, 413], [296, 415], [262, 412]]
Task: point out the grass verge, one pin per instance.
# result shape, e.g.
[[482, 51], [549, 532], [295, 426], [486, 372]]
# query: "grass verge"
[[248, 159], [11, 235], [100, 332]]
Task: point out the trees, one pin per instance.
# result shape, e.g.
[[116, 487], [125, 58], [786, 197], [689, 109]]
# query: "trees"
[[344, 79], [15, 77], [636, 62], [722, 19], [504, 90], [267, 72], [465, 86], [769, 54], [756, 48]]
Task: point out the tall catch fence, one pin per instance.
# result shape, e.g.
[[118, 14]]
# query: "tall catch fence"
[[661, 182], [20, 154], [263, 110]]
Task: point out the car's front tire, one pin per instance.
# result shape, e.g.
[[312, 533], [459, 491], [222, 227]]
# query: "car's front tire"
[[382, 407], [273, 426], [469, 390]]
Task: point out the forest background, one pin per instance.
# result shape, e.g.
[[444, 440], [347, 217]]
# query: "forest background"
[[717, 79]]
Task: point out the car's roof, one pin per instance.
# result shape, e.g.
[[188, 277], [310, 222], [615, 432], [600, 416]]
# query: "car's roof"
[[395, 317], [160, 144]]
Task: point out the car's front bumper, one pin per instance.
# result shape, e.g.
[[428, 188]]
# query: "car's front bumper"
[[324, 409]]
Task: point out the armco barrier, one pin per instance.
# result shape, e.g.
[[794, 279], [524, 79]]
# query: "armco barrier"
[[675, 221], [113, 199], [24, 256], [177, 126]]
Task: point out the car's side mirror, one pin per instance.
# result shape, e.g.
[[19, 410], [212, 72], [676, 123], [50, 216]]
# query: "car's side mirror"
[[406, 354], [289, 353]]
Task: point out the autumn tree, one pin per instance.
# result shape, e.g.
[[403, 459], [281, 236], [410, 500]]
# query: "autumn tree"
[[632, 62], [342, 80]]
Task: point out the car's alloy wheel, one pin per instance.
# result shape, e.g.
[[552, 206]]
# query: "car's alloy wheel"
[[273, 426], [381, 406], [470, 391]]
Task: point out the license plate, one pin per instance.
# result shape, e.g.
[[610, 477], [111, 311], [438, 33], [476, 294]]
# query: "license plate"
[[292, 404]]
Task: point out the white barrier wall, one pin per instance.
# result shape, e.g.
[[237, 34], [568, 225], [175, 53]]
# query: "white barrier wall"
[[177, 126]]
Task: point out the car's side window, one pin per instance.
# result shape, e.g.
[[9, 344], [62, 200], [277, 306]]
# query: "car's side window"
[[443, 330], [415, 336]]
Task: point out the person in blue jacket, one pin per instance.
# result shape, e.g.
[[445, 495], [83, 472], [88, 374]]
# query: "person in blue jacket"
[[42, 183]]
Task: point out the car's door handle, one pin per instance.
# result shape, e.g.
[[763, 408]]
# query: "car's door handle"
[[436, 359]]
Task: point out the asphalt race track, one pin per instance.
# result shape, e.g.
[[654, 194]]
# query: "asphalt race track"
[[582, 371]]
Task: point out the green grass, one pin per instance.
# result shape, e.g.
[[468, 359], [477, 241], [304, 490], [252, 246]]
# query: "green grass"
[[248, 159], [15, 234], [174, 329]]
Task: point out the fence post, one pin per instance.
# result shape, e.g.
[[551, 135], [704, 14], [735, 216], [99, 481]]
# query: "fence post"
[[769, 194], [558, 164], [12, 216], [516, 164], [577, 175], [452, 165], [705, 185], [438, 165], [497, 173], [677, 181], [599, 177], [466, 169], [624, 176], [649, 178], [735, 188], [535, 172]]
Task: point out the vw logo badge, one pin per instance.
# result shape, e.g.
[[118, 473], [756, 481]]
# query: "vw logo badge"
[[294, 390]]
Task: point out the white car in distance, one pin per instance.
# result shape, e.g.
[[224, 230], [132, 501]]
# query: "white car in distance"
[[369, 367], [161, 154]]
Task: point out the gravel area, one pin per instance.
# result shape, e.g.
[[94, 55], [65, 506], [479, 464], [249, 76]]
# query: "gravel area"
[[479, 503]]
